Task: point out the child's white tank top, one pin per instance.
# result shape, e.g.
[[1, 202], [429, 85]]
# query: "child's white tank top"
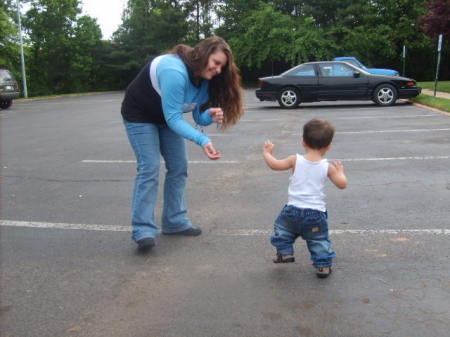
[[306, 184]]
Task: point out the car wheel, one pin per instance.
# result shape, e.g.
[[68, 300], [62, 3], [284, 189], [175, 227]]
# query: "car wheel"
[[385, 94], [289, 97], [5, 104]]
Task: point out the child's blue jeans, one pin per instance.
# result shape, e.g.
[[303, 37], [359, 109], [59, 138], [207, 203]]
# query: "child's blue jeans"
[[311, 225]]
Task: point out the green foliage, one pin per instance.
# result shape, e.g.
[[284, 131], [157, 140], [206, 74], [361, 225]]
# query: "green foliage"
[[148, 29], [9, 48], [443, 86], [267, 35], [65, 53], [51, 28]]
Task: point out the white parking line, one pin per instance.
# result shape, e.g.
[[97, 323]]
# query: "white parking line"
[[257, 232], [50, 225], [395, 158], [390, 131], [233, 162], [388, 117], [229, 232], [99, 161], [296, 134], [264, 120]]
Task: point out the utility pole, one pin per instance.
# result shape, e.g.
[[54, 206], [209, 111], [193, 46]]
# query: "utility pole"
[[22, 59]]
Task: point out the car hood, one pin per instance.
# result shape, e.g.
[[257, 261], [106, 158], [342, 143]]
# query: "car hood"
[[380, 71], [395, 78]]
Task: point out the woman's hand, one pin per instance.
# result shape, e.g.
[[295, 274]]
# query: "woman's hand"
[[216, 115], [211, 152]]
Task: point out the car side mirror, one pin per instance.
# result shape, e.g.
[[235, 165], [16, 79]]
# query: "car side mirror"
[[356, 74]]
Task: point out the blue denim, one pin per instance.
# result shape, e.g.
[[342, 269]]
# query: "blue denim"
[[150, 142], [311, 225]]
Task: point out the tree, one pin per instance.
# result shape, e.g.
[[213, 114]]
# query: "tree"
[[268, 37], [200, 19], [437, 20], [85, 46], [50, 26], [62, 47], [9, 48], [148, 29]]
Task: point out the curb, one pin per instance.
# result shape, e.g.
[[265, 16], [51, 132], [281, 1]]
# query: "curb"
[[66, 95], [442, 112]]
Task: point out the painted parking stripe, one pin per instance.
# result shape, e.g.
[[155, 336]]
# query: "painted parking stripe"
[[264, 120], [394, 158], [230, 232], [388, 117], [390, 131], [100, 161], [257, 232], [57, 225], [296, 134]]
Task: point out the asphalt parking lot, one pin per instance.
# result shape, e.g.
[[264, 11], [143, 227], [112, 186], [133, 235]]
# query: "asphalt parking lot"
[[69, 268]]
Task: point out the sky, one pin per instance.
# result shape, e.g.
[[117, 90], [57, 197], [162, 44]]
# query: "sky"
[[107, 12]]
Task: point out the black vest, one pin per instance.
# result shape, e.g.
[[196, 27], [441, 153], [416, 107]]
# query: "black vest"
[[142, 103]]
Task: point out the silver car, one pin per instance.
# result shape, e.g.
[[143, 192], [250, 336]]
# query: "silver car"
[[9, 89]]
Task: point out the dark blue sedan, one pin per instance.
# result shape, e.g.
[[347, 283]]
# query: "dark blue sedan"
[[333, 81]]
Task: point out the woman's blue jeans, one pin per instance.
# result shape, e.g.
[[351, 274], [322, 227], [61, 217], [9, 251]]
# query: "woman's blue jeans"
[[311, 225], [150, 142]]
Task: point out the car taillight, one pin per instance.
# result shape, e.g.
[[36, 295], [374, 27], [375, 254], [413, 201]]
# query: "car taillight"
[[410, 84], [260, 84]]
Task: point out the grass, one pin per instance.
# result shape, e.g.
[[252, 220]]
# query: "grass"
[[441, 86], [435, 102], [65, 95]]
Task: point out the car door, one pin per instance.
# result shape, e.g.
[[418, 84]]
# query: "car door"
[[305, 78], [340, 81]]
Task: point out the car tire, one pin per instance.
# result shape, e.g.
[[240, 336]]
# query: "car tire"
[[289, 98], [5, 104], [385, 95]]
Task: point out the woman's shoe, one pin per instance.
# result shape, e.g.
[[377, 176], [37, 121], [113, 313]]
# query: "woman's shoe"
[[146, 243], [191, 231]]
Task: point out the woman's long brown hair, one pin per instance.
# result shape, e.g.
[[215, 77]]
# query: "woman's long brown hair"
[[224, 89]]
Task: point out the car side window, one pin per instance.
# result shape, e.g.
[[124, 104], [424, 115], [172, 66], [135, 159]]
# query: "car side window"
[[304, 70], [336, 70]]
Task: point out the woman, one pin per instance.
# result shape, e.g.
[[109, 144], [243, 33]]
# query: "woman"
[[203, 80]]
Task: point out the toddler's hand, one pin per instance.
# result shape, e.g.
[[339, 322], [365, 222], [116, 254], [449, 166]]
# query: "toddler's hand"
[[268, 146], [338, 165]]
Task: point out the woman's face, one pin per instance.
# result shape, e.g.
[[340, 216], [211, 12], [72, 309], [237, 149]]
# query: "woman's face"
[[216, 62]]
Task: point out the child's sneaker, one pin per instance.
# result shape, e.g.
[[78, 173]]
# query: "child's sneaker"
[[283, 258], [323, 272]]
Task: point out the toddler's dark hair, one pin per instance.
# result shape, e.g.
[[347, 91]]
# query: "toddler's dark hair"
[[318, 133]]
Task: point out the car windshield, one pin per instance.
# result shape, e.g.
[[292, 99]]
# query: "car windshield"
[[356, 64], [5, 75]]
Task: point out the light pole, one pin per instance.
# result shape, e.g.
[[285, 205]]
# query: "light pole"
[[22, 59]]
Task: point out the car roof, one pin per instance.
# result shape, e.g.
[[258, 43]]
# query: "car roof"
[[328, 62], [319, 62]]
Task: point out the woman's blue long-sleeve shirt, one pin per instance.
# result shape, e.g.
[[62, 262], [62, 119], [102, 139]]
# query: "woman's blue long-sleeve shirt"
[[180, 95]]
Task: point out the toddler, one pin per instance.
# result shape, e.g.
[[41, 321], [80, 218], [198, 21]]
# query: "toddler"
[[305, 213]]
